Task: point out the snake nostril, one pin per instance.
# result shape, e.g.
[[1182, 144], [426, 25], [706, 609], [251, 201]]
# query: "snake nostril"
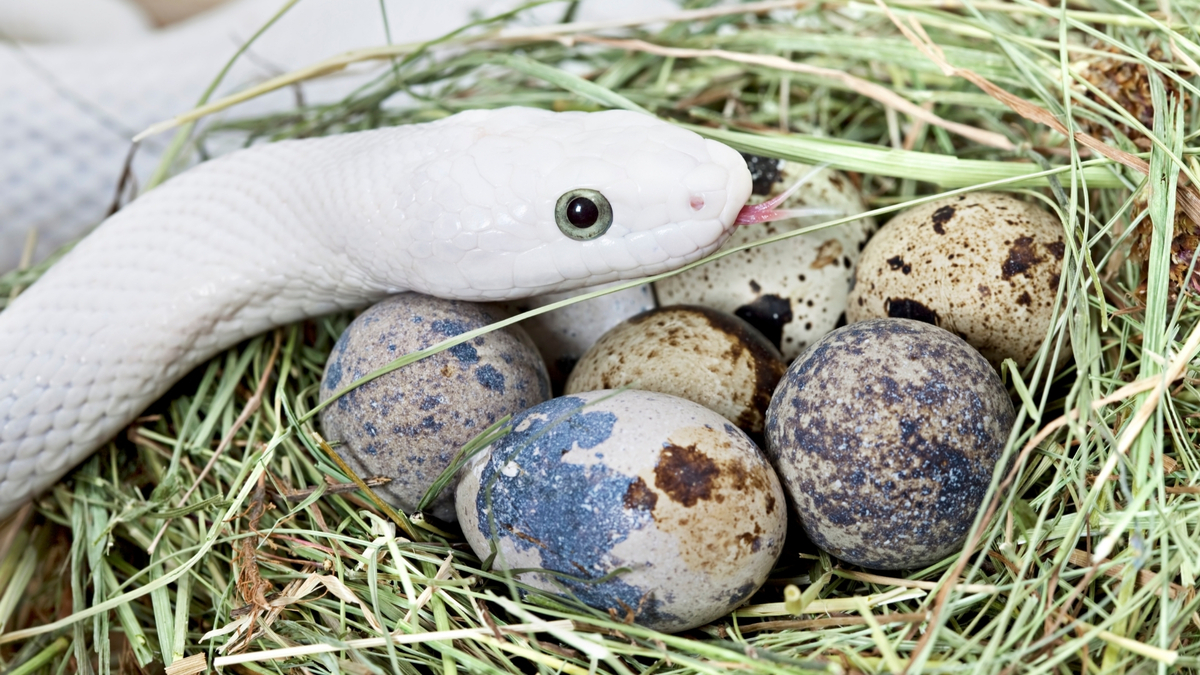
[[697, 202]]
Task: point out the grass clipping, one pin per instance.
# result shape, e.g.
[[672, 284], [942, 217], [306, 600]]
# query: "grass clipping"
[[218, 532]]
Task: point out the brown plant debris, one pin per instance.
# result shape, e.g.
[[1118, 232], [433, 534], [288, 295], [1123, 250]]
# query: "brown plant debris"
[[1127, 83]]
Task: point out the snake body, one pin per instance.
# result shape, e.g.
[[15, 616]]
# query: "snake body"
[[466, 207], [69, 109]]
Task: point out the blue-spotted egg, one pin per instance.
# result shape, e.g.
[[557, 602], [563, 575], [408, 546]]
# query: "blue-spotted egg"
[[408, 424], [633, 501]]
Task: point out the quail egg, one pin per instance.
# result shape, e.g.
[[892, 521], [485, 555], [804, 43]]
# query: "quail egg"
[[565, 334], [697, 353], [886, 433], [645, 504], [985, 266], [793, 291], [408, 424]]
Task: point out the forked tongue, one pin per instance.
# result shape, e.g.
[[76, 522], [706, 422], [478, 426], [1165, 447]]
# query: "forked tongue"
[[767, 212]]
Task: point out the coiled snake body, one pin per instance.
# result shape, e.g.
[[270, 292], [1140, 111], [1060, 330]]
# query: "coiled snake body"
[[483, 205], [68, 109]]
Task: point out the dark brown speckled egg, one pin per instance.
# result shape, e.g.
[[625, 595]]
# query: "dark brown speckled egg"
[[408, 424], [885, 434], [985, 266], [793, 291]]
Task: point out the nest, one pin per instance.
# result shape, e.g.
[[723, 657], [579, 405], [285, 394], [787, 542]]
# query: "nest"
[[278, 560]]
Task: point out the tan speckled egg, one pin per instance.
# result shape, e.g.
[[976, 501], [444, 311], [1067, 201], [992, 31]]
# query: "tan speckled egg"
[[984, 266], [697, 353], [793, 291], [886, 434], [634, 502]]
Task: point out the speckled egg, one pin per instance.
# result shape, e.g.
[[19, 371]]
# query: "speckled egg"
[[408, 424], [586, 485], [565, 334], [886, 433], [709, 357], [793, 291], [984, 266]]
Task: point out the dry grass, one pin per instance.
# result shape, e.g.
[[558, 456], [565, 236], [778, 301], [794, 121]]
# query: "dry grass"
[[1084, 561]]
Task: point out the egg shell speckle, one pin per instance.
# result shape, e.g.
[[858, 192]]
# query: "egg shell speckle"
[[587, 484], [408, 424], [885, 434], [984, 266], [793, 291], [709, 357]]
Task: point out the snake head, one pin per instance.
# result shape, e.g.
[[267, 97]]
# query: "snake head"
[[579, 199]]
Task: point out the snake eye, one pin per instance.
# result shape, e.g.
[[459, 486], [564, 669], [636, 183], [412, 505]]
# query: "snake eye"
[[583, 214]]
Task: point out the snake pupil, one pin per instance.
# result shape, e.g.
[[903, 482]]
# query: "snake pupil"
[[582, 212]]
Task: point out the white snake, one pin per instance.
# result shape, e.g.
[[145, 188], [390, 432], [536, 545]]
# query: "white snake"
[[477, 206], [68, 109]]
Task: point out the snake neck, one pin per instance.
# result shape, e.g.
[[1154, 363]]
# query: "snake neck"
[[138, 304]]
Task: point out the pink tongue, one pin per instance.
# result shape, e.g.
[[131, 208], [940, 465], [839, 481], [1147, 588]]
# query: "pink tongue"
[[761, 213], [766, 211]]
